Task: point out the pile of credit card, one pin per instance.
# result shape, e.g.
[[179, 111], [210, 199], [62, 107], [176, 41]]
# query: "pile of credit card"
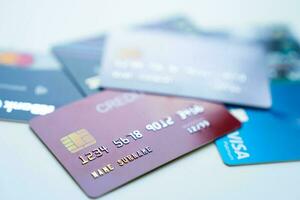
[[124, 103]]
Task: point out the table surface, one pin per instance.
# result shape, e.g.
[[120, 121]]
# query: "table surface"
[[29, 171]]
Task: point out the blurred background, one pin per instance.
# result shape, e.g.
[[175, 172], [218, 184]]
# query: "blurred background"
[[38, 25]]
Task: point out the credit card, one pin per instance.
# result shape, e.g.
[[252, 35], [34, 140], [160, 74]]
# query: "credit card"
[[265, 137], [112, 137], [216, 69], [82, 59], [26, 93]]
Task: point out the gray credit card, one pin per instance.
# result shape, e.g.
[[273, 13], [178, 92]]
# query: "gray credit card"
[[217, 69]]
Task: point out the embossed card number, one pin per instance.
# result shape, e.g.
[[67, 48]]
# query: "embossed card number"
[[101, 155]]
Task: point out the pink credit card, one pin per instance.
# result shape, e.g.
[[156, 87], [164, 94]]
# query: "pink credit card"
[[112, 137]]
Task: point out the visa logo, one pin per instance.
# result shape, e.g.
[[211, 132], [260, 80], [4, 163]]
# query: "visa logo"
[[238, 146]]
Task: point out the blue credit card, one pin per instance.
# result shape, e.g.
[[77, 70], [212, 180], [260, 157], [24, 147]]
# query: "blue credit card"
[[81, 59], [25, 93], [265, 137], [216, 69]]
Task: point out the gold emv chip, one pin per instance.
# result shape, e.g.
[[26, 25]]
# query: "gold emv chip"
[[78, 140]]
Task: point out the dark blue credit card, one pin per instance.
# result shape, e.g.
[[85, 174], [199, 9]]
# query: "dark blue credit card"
[[25, 93]]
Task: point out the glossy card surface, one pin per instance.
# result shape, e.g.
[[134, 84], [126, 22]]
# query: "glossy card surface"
[[82, 59], [217, 69], [111, 138], [265, 137], [26, 93]]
